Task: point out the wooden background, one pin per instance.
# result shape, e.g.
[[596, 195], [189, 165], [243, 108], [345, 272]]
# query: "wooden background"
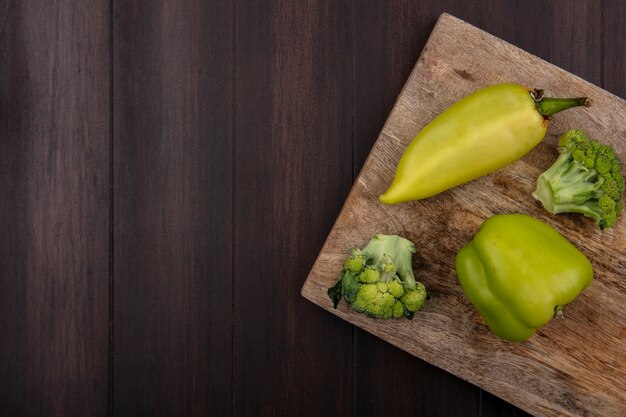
[[169, 171]]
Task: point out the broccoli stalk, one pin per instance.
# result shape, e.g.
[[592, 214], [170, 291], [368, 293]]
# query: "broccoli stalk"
[[586, 178], [378, 280]]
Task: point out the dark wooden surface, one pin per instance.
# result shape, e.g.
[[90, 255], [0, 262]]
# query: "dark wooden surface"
[[169, 171], [54, 208]]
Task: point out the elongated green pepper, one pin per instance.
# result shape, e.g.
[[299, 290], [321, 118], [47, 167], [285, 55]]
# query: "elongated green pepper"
[[479, 134], [518, 272]]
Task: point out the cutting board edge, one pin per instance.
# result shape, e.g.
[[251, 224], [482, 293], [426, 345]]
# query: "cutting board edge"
[[445, 365], [308, 286], [447, 16]]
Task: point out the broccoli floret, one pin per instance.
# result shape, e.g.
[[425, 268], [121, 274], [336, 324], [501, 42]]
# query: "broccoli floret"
[[371, 301], [369, 275], [355, 261], [392, 254], [586, 178], [414, 300], [397, 310], [379, 281], [395, 288]]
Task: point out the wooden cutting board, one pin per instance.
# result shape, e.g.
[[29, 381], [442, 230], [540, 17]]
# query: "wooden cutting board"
[[574, 366]]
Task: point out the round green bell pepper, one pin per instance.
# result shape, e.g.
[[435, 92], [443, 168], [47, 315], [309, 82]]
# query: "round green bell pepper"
[[519, 272]]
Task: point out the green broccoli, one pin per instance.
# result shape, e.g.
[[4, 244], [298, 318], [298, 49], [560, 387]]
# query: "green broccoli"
[[378, 280], [586, 178]]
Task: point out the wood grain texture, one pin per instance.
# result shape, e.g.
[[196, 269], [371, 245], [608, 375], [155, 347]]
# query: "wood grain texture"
[[383, 59], [553, 373], [552, 30], [614, 46], [239, 128], [54, 211], [293, 171], [173, 124]]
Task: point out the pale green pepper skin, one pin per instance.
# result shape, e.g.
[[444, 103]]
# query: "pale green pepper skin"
[[479, 134], [518, 272]]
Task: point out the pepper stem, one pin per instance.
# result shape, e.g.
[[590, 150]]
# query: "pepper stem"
[[558, 312], [548, 106]]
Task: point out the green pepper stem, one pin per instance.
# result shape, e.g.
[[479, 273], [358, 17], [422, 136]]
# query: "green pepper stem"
[[548, 106], [558, 312]]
